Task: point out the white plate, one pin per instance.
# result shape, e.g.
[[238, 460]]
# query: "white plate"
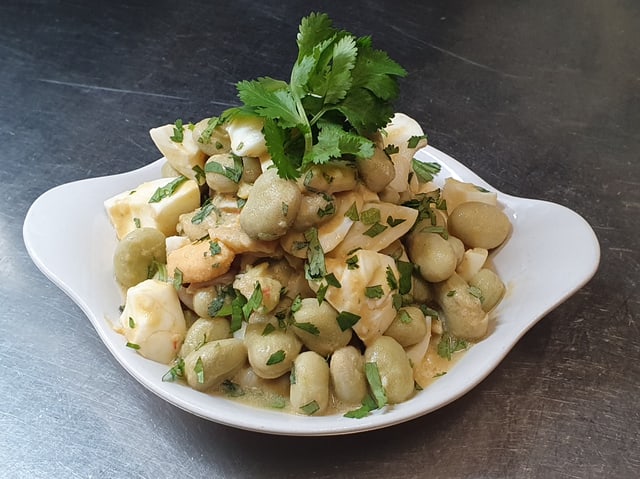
[[551, 254]]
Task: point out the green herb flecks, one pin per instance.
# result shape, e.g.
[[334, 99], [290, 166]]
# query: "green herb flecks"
[[424, 171], [167, 190], [276, 357], [178, 132], [448, 345]]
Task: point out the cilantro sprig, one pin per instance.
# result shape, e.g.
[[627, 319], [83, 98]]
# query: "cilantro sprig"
[[340, 91]]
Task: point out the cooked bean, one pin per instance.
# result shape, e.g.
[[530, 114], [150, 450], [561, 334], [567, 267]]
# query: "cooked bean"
[[330, 178], [211, 141], [309, 393], [203, 331], [135, 253], [347, 375], [271, 208], [408, 327], [479, 225], [490, 285], [271, 354], [227, 173], [464, 316], [378, 171], [315, 208], [317, 327], [209, 365], [393, 365], [433, 254]]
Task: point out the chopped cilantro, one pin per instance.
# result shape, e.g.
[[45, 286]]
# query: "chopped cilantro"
[[347, 320], [352, 262], [268, 329], [177, 279], [370, 216], [233, 173], [391, 149], [316, 268], [214, 248], [232, 389], [254, 302], [375, 383], [167, 190], [414, 140], [310, 408], [375, 230], [374, 292], [308, 327], [424, 170], [448, 345], [205, 210], [352, 212], [199, 370], [176, 371], [276, 357], [391, 221], [178, 132]]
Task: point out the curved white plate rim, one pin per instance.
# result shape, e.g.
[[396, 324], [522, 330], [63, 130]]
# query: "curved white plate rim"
[[546, 238]]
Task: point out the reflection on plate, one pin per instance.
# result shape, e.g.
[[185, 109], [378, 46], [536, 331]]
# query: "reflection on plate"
[[551, 254]]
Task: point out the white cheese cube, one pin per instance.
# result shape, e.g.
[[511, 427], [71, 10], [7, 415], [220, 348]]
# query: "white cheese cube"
[[183, 156], [131, 209]]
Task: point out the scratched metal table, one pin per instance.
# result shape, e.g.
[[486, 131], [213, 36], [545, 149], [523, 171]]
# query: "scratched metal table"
[[540, 98]]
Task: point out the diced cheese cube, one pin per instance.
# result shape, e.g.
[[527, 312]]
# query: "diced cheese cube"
[[247, 139], [131, 209], [456, 192], [183, 156]]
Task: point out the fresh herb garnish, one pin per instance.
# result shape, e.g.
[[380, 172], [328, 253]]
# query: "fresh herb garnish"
[[308, 327], [176, 371], [347, 320], [375, 230], [199, 370], [374, 292], [232, 389], [276, 357], [310, 408], [234, 173], [205, 210], [167, 190], [375, 383], [424, 171], [340, 90], [449, 345], [178, 132]]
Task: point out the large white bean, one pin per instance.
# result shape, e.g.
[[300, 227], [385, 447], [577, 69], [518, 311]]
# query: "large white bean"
[[408, 327], [209, 365], [433, 254], [347, 375], [378, 171], [317, 327], [479, 225], [309, 393], [271, 208], [271, 353], [464, 316], [202, 331], [490, 285], [394, 367]]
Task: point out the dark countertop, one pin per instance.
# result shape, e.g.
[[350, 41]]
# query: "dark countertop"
[[540, 98]]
